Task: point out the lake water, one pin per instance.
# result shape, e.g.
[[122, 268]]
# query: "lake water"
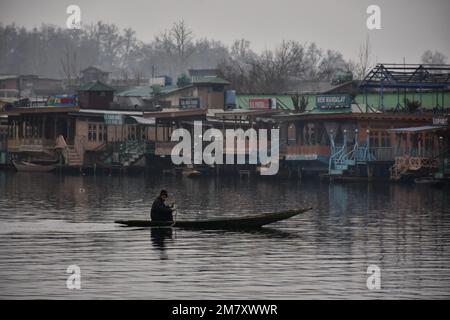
[[49, 222]]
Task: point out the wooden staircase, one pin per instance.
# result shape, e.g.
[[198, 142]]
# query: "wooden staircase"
[[131, 152], [72, 157], [133, 158]]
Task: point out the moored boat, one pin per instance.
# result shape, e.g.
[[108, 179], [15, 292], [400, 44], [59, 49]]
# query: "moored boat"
[[191, 173], [431, 181], [245, 222], [25, 166]]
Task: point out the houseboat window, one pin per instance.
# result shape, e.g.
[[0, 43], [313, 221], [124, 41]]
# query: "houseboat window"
[[429, 142], [100, 132], [92, 132], [385, 139]]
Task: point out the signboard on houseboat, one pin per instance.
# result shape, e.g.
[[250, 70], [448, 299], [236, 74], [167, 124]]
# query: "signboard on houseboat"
[[113, 119], [62, 101], [330, 102], [440, 121], [260, 103], [189, 103]]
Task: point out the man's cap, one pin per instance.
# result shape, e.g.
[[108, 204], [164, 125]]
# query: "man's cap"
[[164, 193]]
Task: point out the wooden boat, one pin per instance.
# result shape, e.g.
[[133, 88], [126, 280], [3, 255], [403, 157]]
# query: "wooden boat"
[[24, 166], [429, 181], [191, 173], [245, 222]]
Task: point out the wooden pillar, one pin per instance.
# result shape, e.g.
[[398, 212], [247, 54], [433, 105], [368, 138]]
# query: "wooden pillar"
[[36, 126], [24, 125], [408, 144], [55, 121], [284, 132], [67, 129], [420, 143], [43, 127]]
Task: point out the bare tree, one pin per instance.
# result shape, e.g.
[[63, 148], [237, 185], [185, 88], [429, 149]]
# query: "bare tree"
[[236, 68], [173, 52], [69, 65], [313, 56], [268, 72], [363, 66], [129, 45], [332, 63], [428, 57], [177, 44], [182, 37]]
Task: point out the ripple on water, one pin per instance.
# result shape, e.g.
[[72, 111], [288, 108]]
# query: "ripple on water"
[[48, 224]]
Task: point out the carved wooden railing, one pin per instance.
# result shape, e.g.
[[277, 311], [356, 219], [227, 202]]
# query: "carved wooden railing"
[[407, 163], [31, 144]]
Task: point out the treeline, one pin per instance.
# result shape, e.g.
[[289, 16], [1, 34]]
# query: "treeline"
[[59, 52], [273, 70]]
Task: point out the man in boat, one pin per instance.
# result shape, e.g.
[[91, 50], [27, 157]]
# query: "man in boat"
[[160, 210]]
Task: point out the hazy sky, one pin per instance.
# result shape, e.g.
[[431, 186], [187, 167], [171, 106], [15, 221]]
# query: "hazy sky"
[[409, 27]]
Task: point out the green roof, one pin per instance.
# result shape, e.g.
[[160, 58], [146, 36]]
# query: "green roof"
[[390, 100], [283, 101], [142, 91], [170, 89], [209, 80], [95, 86]]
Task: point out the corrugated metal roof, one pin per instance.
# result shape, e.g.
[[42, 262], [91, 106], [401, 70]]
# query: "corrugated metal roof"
[[209, 80], [145, 91], [145, 121], [141, 91]]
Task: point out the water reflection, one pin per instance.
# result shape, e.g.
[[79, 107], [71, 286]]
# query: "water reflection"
[[159, 238], [48, 222]]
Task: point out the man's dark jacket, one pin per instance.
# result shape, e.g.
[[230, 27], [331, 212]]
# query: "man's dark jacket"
[[160, 211]]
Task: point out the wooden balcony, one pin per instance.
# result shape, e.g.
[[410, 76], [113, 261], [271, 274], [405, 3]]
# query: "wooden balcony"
[[31, 145]]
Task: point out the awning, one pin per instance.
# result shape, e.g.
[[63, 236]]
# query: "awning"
[[144, 121], [417, 129]]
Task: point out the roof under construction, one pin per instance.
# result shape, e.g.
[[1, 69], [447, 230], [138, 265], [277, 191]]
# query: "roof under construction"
[[408, 76]]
